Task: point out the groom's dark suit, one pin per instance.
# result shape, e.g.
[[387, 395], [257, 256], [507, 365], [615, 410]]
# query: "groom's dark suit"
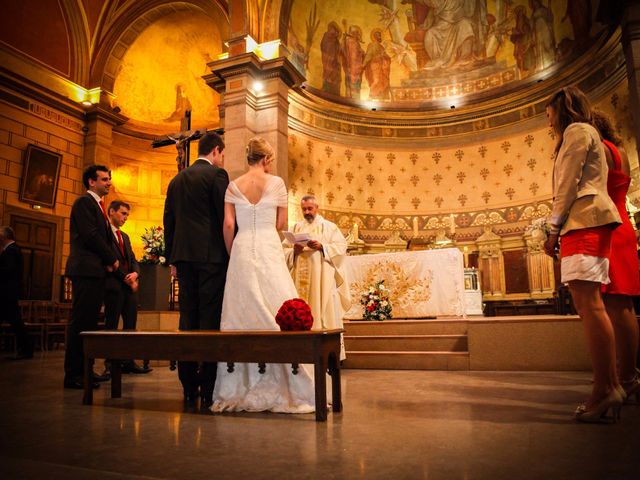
[[193, 217], [91, 250]]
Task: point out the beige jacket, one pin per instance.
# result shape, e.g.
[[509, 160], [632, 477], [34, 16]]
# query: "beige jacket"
[[580, 198]]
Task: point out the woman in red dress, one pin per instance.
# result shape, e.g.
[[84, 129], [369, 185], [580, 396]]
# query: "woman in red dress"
[[623, 265], [583, 217]]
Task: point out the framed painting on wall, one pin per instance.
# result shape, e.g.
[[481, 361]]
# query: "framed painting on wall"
[[40, 176]]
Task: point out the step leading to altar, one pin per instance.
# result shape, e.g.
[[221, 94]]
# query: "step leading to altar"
[[526, 343]]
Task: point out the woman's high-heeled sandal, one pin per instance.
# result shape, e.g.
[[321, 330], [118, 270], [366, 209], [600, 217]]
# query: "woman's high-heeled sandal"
[[598, 414], [632, 388]]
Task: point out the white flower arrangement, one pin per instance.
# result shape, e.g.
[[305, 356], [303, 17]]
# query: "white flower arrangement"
[[153, 246], [539, 228]]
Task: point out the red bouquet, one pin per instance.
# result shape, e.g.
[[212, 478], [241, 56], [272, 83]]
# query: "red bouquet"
[[294, 315]]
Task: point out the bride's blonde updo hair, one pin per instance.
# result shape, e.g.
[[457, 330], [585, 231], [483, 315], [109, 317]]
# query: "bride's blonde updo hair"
[[257, 149]]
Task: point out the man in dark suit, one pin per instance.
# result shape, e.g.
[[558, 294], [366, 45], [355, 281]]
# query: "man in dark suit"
[[193, 217], [10, 288], [120, 297], [91, 258]]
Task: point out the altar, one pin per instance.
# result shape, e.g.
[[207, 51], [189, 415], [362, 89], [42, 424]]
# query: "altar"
[[427, 283]]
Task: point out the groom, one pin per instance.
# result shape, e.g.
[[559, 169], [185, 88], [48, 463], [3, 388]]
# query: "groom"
[[193, 217]]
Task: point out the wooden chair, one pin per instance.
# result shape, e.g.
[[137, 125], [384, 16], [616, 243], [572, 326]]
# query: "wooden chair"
[[34, 329], [59, 328]]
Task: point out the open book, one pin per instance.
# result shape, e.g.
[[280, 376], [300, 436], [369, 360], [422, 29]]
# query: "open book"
[[296, 237]]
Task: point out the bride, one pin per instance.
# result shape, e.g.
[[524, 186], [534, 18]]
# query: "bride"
[[258, 282]]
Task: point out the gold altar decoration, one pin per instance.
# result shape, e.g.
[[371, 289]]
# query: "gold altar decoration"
[[403, 291]]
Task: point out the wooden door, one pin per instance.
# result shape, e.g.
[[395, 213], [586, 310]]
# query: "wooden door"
[[37, 240]]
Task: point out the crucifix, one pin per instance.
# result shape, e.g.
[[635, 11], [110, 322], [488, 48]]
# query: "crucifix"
[[182, 140]]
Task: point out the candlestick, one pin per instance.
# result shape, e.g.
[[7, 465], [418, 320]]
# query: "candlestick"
[[452, 227], [355, 231], [466, 257], [415, 227]]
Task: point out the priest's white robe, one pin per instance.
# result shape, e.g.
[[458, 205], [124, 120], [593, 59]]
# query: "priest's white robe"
[[318, 274]]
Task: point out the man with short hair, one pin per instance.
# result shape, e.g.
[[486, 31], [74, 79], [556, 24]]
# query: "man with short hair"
[[193, 218], [91, 258], [10, 290], [120, 297], [316, 267]]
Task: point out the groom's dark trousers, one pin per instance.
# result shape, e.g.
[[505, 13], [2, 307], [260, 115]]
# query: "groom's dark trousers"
[[201, 292]]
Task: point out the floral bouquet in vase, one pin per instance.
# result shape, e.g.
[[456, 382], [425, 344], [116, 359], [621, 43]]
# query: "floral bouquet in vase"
[[153, 246], [539, 229], [376, 302]]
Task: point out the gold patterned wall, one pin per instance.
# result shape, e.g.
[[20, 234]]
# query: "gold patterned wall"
[[504, 181]]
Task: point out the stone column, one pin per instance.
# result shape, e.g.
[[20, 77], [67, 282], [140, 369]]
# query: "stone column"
[[631, 44], [254, 101], [98, 141], [541, 276], [491, 264]]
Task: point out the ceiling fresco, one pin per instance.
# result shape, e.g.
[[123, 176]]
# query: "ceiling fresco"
[[161, 74], [404, 52]]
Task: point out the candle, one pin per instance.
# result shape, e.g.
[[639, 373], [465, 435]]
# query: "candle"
[[452, 227], [466, 257], [415, 226], [355, 231]]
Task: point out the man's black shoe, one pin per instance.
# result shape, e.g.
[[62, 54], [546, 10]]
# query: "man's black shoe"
[[134, 368], [205, 406], [101, 378], [78, 384], [190, 402]]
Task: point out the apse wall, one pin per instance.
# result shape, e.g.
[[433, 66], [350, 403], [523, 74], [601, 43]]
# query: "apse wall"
[[500, 177]]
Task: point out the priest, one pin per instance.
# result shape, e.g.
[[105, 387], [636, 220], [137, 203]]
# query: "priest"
[[315, 261]]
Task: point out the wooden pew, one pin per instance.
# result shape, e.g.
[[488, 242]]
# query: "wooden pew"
[[321, 348]]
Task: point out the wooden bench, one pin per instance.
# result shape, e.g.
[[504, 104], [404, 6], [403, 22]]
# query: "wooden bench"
[[321, 348]]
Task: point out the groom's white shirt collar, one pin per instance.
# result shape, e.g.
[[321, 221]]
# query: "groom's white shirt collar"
[[205, 159]]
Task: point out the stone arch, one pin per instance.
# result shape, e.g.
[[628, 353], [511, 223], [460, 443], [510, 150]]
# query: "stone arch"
[[124, 32]]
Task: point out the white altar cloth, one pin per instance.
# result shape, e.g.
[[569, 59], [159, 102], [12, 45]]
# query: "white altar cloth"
[[426, 283]]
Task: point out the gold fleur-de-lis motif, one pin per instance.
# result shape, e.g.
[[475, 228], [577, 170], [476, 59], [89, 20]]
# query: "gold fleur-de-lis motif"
[[484, 173], [415, 201], [360, 190], [392, 180], [462, 199], [437, 178], [531, 163], [614, 100], [508, 168], [330, 197], [370, 179], [486, 196], [339, 187], [534, 188], [415, 180], [293, 188], [348, 153], [310, 170], [459, 154], [328, 150], [329, 173], [350, 199], [528, 140], [438, 200], [461, 176], [510, 192], [482, 150], [391, 158], [436, 157], [551, 132], [371, 201], [294, 140], [506, 145], [294, 164], [348, 176], [309, 146], [414, 158], [393, 201], [310, 191], [369, 156]]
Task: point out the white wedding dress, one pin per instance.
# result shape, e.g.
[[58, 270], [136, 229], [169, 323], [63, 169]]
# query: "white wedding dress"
[[258, 282]]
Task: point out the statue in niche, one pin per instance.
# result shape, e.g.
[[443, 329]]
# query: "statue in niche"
[[331, 56], [352, 60], [182, 104], [377, 67]]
